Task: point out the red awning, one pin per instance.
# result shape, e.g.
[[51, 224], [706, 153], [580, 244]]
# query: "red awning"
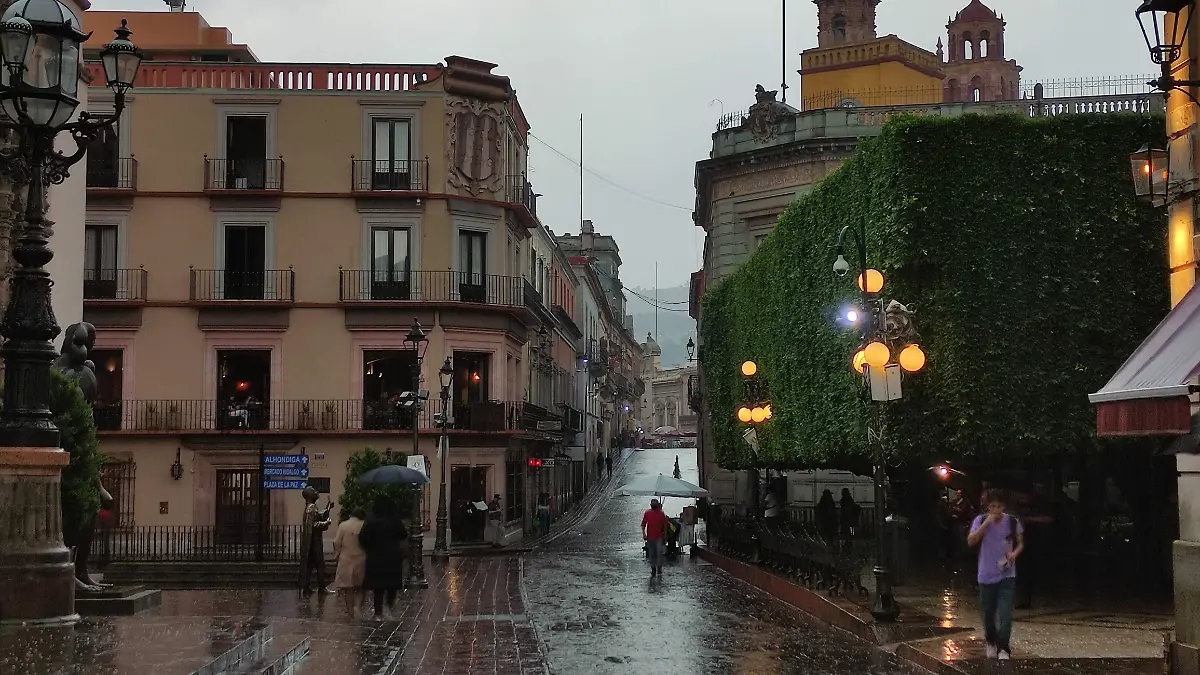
[[1149, 394]]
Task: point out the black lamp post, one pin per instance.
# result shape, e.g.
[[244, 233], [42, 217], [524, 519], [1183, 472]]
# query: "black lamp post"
[[691, 349], [39, 87], [1165, 28], [417, 341], [441, 547], [884, 608]]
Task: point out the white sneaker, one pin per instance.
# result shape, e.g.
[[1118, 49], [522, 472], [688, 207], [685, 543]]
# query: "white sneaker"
[[991, 651], [1004, 656]]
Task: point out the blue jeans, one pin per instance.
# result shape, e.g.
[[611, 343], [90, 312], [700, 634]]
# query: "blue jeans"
[[654, 551], [996, 604]]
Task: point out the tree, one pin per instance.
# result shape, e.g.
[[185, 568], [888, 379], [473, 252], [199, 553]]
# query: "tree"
[[1020, 245], [356, 495], [81, 478]]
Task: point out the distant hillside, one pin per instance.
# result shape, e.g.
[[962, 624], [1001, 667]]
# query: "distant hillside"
[[674, 324]]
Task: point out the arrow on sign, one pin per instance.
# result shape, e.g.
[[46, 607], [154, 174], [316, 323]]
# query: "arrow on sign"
[[284, 484], [286, 472], [285, 459]]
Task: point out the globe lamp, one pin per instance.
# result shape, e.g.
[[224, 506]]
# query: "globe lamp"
[[912, 359], [877, 354]]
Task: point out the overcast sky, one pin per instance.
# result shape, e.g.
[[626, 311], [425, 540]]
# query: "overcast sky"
[[650, 76]]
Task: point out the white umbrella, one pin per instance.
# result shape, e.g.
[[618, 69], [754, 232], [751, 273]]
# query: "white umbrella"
[[662, 486]]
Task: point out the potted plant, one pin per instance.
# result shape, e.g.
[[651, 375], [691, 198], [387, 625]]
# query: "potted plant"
[[306, 420], [151, 418], [174, 420], [329, 417]]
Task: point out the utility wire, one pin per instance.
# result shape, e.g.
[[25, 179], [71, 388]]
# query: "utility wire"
[[608, 180], [646, 300]]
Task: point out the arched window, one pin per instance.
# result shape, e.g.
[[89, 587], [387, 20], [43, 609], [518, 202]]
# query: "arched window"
[[985, 40], [968, 47], [839, 29], [977, 89]]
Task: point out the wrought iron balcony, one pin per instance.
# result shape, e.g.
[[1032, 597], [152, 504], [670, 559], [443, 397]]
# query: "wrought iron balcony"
[[369, 175], [116, 285], [243, 174], [357, 286], [518, 190], [241, 286], [114, 174]]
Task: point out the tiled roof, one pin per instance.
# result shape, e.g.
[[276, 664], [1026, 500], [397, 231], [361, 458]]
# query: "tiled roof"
[[976, 11]]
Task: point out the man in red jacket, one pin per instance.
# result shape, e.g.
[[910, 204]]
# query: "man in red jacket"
[[654, 528]]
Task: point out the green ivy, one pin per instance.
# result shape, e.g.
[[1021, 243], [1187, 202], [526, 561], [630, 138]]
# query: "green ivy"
[[1033, 271], [356, 495], [81, 478]]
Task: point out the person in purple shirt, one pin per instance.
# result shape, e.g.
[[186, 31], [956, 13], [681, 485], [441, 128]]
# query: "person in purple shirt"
[[1000, 539]]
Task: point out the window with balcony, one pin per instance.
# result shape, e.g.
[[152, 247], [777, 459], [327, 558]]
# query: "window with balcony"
[[470, 395], [472, 266], [390, 264], [391, 145], [387, 373], [246, 153], [106, 409], [100, 262], [243, 388], [245, 262], [104, 160]]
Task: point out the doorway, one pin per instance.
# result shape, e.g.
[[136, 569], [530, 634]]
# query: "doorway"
[[471, 388], [468, 484], [390, 155], [386, 374], [245, 262], [237, 509], [390, 263], [106, 409], [472, 263], [243, 389], [100, 262], [103, 160], [246, 153]]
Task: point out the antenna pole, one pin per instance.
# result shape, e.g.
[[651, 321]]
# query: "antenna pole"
[[656, 301], [581, 172], [783, 50]]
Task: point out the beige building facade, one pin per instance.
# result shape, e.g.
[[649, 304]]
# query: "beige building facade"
[[260, 237]]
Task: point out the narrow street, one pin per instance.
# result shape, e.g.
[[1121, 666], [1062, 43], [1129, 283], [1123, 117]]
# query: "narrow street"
[[596, 610]]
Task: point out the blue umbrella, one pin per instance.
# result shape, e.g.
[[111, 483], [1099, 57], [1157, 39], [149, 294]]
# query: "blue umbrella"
[[393, 474]]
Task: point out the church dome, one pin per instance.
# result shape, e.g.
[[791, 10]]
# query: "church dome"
[[651, 348], [976, 11]]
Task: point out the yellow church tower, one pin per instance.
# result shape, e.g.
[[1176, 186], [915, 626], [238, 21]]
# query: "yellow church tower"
[[851, 66]]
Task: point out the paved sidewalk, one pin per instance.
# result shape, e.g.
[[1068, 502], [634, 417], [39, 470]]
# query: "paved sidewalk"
[[587, 508]]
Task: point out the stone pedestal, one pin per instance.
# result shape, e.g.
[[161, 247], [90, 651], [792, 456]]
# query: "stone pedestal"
[[37, 576]]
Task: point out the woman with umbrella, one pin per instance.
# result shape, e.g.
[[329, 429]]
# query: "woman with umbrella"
[[382, 538]]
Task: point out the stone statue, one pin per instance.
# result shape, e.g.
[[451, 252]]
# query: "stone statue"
[[312, 548], [898, 323], [73, 362], [764, 114]]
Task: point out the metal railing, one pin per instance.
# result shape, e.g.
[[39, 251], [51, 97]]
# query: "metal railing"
[[128, 285], [299, 415], [197, 543], [236, 286], [518, 190], [119, 173], [383, 286], [403, 175], [338, 77], [243, 174]]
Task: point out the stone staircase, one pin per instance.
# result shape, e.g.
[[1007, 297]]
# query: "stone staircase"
[[261, 653]]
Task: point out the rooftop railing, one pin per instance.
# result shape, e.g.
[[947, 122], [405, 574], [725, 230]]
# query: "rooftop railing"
[[344, 77]]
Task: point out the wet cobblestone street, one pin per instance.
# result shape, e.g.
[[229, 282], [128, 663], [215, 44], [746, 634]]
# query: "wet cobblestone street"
[[596, 609]]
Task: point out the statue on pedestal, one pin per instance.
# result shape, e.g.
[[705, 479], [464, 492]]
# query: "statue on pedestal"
[[73, 363], [312, 547]]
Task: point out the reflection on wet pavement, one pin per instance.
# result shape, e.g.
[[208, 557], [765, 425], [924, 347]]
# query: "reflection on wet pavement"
[[597, 610]]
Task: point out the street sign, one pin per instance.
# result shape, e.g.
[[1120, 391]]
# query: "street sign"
[[549, 425], [286, 472], [285, 484], [285, 459]]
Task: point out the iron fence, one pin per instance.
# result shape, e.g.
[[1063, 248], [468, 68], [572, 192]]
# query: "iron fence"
[[236, 285], [1081, 87], [300, 415], [114, 173], [115, 284], [236, 542], [445, 286], [518, 190], [369, 175], [118, 479], [243, 174]]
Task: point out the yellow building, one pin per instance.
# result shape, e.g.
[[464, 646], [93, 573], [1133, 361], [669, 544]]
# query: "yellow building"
[[851, 66]]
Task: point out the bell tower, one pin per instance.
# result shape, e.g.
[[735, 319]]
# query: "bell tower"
[[845, 22]]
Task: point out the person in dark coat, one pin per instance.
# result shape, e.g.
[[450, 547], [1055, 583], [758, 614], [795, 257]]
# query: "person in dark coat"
[[827, 517], [382, 538]]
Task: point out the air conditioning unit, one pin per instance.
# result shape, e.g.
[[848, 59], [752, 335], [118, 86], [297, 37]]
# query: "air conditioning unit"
[[176, 5]]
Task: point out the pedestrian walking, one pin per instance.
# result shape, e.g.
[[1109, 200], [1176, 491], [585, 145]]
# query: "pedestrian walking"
[[351, 561], [677, 473], [495, 523], [382, 538], [654, 528], [851, 512], [543, 514], [608, 463], [599, 466], [827, 518], [1000, 538]]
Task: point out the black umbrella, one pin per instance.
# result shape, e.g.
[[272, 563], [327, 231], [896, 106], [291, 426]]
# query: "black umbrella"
[[393, 474]]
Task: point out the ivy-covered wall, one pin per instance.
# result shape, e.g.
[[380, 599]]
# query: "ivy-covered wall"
[[1033, 271]]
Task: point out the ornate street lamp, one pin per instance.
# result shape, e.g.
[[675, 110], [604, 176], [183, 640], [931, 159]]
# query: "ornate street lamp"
[[441, 546], [1151, 174], [416, 341], [691, 349], [39, 86], [1165, 27]]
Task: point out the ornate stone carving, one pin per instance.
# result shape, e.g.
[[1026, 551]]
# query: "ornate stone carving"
[[475, 151], [898, 327], [791, 175], [764, 115]]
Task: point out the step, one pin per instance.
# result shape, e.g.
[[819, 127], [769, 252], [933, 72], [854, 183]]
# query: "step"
[[279, 656], [238, 654]]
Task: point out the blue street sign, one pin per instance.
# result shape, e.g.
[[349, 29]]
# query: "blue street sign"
[[286, 472], [284, 484], [285, 459]]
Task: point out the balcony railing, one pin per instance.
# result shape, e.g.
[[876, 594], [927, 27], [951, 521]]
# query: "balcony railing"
[[517, 190], [338, 77], [298, 415], [372, 286], [369, 175], [243, 174], [116, 174], [125, 285], [238, 286]]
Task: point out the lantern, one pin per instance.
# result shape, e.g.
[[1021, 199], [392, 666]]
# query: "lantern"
[[749, 368], [759, 415], [870, 281], [859, 361], [912, 359], [1150, 174], [877, 354], [1165, 28], [744, 414]]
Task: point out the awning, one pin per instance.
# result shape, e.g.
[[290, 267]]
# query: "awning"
[[1148, 396]]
